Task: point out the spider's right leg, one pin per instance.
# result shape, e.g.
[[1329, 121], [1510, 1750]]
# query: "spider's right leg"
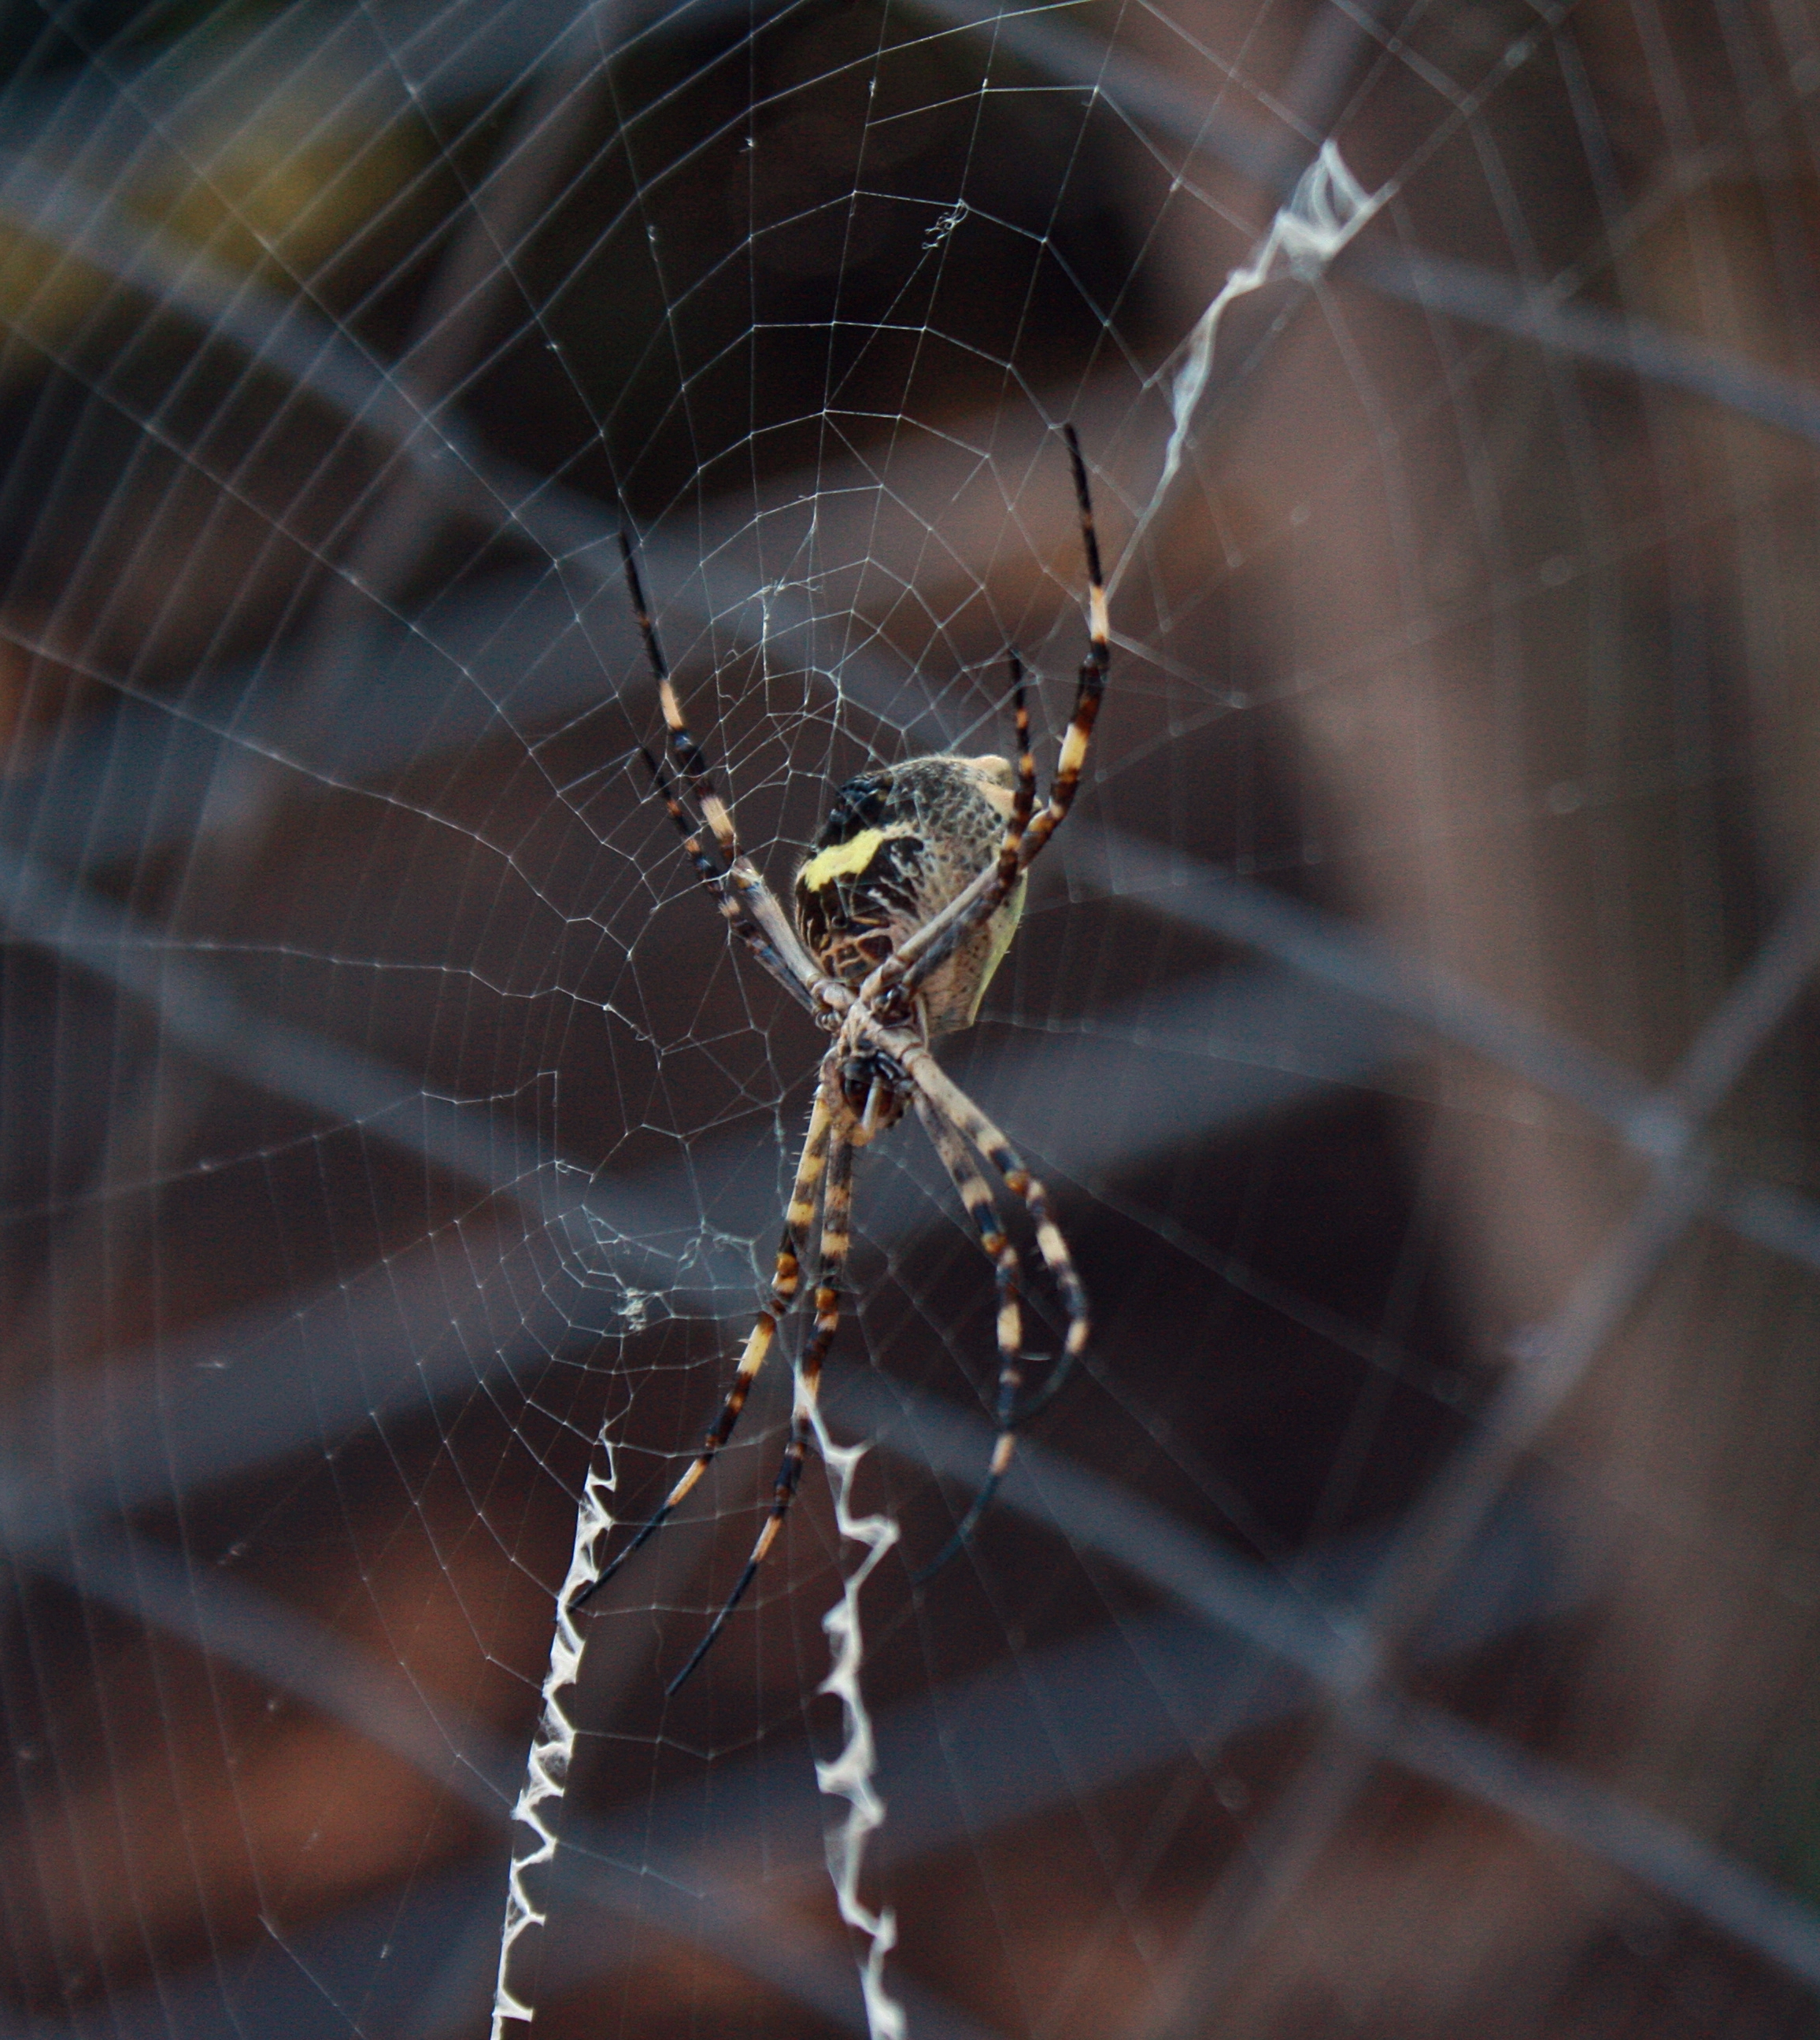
[[837, 1237], [800, 1217], [937, 938], [1093, 670]]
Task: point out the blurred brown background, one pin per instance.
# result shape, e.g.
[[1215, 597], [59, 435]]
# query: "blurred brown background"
[[1406, 1628]]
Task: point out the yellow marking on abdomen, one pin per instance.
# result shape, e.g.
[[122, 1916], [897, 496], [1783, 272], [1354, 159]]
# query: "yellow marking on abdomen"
[[1099, 624], [844, 860]]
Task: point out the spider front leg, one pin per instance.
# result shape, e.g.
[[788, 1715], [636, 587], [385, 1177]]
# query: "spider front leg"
[[691, 761], [1092, 672], [737, 889], [720, 884], [836, 1240], [1025, 834], [785, 1280]]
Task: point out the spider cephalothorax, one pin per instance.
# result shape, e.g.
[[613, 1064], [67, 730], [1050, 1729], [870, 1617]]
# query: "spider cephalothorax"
[[905, 905]]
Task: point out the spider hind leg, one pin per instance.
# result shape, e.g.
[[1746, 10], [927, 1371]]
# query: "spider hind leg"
[[976, 1195], [786, 1281], [837, 1206], [945, 1101]]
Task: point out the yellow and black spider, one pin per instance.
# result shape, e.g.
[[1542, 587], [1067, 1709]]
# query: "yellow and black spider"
[[905, 906]]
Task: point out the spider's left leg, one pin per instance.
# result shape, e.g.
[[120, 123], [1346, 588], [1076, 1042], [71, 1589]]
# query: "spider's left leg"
[[977, 1195], [837, 1237], [691, 761], [746, 926], [798, 1220], [739, 892], [950, 1103]]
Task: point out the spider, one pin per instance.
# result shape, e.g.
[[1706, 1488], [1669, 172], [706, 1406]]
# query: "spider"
[[905, 907]]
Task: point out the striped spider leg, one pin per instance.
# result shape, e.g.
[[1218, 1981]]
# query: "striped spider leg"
[[750, 906], [812, 1164], [836, 1236], [904, 907], [942, 1102]]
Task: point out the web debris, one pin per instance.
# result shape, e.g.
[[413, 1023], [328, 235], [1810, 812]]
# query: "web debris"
[[552, 1748], [850, 1775], [935, 236], [1326, 210]]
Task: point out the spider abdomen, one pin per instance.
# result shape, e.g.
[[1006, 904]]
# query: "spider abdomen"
[[898, 845]]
